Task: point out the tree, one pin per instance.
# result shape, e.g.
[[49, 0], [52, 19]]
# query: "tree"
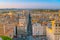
[[5, 38]]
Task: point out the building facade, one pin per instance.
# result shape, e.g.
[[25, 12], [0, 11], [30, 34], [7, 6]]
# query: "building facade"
[[6, 26], [53, 32]]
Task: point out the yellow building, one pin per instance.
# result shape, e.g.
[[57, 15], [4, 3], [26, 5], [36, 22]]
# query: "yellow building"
[[53, 32]]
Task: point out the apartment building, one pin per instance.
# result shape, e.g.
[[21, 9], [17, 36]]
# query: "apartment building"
[[38, 29], [6, 26], [22, 24], [53, 30]]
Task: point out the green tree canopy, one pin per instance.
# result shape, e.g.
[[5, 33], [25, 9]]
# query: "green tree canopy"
[[5, 38]]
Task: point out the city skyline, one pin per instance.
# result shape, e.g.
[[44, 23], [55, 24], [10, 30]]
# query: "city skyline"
[[35, 4]]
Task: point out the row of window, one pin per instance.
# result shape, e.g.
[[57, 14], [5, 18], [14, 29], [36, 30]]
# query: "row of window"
[[57, 25]]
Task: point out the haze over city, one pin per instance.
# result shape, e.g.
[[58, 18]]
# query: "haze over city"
[[41, 4]]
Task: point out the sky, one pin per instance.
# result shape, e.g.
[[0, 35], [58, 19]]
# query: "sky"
[[35, 4]]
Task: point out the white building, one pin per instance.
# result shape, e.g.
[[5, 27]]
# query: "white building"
[[38, 29]]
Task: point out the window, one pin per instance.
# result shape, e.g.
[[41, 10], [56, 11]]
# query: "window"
[[59, 24], [49, 25], [56, 25]]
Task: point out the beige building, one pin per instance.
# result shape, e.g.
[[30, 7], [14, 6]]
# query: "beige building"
[[6, 25], [53, 32], [6, 30]]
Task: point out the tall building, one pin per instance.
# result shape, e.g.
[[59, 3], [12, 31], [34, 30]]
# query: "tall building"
[[38, 29], [6, 26], [53, 30], [22, 24]]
